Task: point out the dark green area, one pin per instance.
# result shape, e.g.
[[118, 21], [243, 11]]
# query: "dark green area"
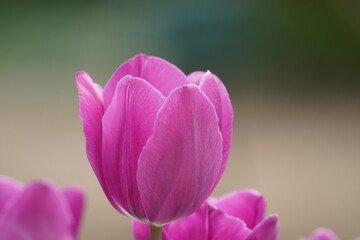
[[281, 45]]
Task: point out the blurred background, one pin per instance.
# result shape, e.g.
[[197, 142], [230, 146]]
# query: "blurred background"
[[292, 69]]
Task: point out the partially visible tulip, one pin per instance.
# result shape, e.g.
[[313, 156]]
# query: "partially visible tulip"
[[236, 216], [157, 140], [39, 211], [323, 234]]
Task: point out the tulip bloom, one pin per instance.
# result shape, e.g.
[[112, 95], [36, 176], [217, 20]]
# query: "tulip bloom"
[[157, 140], [323, 234], [39, 211], [238, 215]]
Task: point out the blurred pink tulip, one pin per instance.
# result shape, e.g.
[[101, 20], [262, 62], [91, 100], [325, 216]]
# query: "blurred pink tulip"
[[323, 234], [39, 211], [157, 140], [236, 216]]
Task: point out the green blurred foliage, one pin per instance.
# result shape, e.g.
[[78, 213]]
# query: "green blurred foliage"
[[264, 44]]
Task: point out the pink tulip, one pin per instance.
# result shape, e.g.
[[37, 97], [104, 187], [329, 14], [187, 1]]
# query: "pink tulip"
[[323, 234], [39, 211], [236, 216], [157, 140]]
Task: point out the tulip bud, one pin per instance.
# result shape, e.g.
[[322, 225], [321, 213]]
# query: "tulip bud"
[[157, 140]]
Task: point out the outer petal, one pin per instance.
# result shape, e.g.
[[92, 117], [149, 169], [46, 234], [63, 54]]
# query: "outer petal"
[[322, 234], [127, 124], [207, 223], [216, 91], [181, 161], [248, 205], [161, 74], [91, 111], [140, 230], [76, 201], [267, 230], [8, 189], [195, 227], [39, 212], [223, 226]]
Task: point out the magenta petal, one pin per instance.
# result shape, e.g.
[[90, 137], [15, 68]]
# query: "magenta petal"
[[219, 97], [91, 111], [322, 234], [8, 189], [216, 92], [179, 166], [210, 87], [161, 74], [207, 223], [248, 205], [195, 226], [223, 226], [76, 201], [39, 212], [140, 230], [267, 230], [127, 124]]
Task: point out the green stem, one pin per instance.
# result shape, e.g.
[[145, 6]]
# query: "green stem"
[[156, 232]]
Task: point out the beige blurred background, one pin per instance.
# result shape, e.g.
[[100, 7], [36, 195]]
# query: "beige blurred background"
[[292, 70]]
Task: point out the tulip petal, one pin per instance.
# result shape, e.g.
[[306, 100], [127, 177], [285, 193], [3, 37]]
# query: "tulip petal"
[[219, 97], [195, 226], [140, 230], [8, 189], [91, 111], [266, 230], [322, 234], [127, 124], [248, 205], [76, 201], [207, 223], [223, 226], [161, 74], [178, 167], [39, 212]]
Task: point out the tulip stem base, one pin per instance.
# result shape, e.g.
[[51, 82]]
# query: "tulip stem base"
[[155, 232]]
